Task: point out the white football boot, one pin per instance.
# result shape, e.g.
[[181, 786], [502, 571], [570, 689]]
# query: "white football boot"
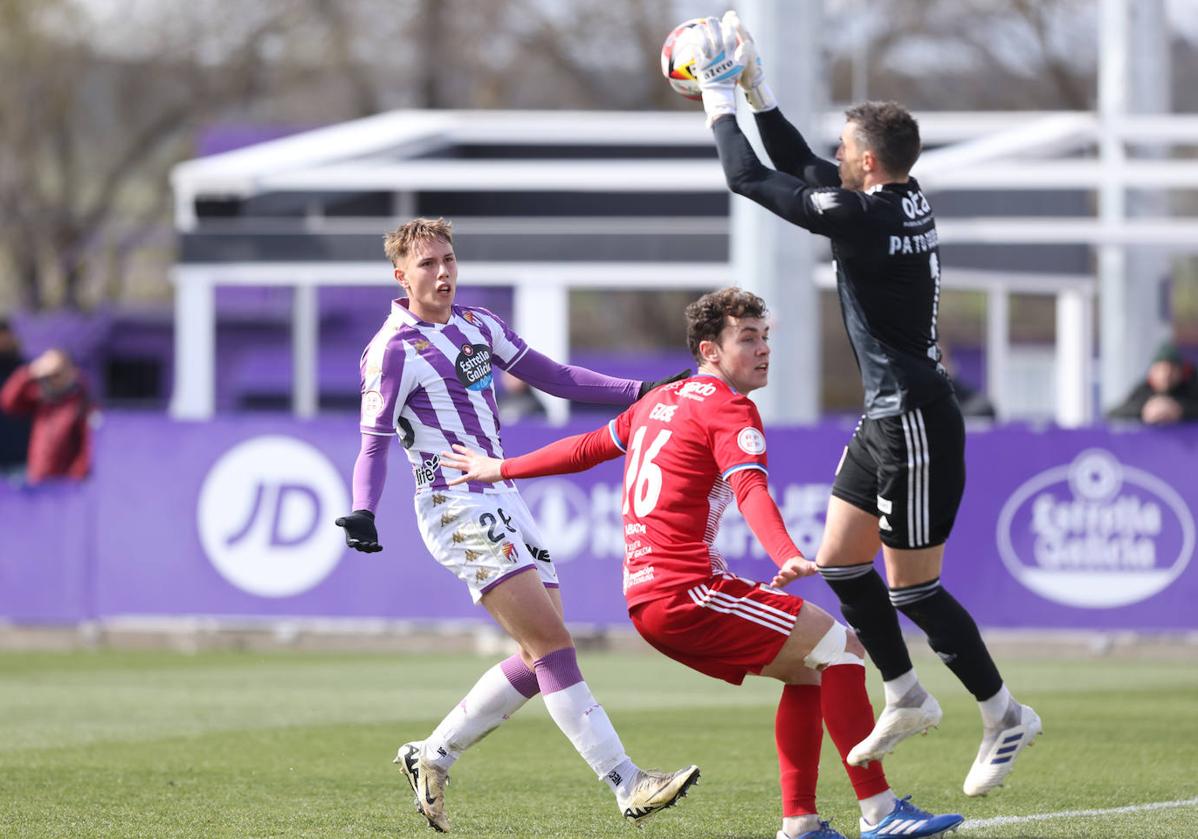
[[1000, 746], [915, 713], [653, 792], [428, 783]]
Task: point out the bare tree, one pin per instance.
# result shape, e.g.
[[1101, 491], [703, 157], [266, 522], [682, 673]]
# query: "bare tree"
[[973, 54], [92, 117], [81, 130]]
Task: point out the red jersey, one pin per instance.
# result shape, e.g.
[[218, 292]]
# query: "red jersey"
[[689, 447], [682, 443]]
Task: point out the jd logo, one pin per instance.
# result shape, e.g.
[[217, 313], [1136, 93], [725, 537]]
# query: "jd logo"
[[1096, 533], [265, 513], [562, 511]]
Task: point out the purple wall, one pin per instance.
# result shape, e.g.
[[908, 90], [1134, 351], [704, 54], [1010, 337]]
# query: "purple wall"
[[1082, 529]]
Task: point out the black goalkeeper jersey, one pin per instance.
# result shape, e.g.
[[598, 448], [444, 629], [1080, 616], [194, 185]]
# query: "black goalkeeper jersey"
[[887, 260]]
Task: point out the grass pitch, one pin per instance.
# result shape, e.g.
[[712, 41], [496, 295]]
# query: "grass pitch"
[[300, 745]]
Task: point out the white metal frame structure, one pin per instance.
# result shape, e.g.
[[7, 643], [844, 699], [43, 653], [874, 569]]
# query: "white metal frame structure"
[[1022, 151]]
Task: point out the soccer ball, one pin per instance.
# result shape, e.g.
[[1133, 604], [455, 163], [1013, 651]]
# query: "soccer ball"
[[679, 56]]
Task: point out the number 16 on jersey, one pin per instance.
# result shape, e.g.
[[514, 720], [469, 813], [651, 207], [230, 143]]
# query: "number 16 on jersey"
[[642, 477]]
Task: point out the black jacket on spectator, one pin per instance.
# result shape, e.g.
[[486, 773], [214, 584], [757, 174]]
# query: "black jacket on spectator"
[[14, 430], [1185, 392]]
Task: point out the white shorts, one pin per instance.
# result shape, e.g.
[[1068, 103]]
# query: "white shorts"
[[483, 538]]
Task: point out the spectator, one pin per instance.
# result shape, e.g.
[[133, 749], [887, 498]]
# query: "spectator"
[[14, 430], [51, 390], [1168, 394]]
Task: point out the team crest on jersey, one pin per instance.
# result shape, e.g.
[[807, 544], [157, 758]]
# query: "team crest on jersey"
[[372, 404], [751, 441], [469, 316], [473, 366], [509, 551]]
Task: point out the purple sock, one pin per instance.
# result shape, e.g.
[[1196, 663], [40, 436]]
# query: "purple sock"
[[558, 670], [522, 679]]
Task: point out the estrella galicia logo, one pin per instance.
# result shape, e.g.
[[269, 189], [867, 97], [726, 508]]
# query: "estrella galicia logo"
[[264, 516], [473, 366], [1096, 533]]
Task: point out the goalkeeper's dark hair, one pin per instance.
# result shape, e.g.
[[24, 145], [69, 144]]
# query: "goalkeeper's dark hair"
[[707, 316], [398, 243], [890, 132]]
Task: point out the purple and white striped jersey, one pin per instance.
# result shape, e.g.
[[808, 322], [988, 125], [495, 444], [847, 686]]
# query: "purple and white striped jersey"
[[431, 384]]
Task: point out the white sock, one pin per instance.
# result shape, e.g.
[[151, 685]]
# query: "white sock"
[[995, 708], [582, 719], [877, 807], [491, 701], [897, 688], [797, 825], [622, 779]]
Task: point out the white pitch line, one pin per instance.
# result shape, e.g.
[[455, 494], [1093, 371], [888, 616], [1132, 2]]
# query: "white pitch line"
[[1069, 814]]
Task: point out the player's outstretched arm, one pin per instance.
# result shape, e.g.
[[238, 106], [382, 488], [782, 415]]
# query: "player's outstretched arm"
[[789, 152], [787, 149], [825, 211], [570, 454], [762, 515], [580, 384], [572, 382]]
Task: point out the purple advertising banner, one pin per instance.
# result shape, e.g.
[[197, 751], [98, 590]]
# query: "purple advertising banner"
[[1088, 529]]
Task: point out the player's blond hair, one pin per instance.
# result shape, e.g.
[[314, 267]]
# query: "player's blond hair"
[[707, 316], [399, 242]]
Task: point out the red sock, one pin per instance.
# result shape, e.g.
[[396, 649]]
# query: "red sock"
[[799, 731], [850, 719]]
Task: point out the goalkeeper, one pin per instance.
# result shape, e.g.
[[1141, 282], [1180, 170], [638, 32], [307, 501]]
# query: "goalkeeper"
[[900, 480]]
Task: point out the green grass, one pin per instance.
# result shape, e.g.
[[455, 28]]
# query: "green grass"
[[297, 745]]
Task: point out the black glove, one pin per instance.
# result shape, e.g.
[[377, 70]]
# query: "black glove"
[[648, 386], [359, 531]]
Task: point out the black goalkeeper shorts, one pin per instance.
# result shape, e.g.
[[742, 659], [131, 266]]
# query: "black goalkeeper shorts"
[[909, 471]]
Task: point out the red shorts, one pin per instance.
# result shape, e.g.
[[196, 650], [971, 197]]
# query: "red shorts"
[[726, 627]]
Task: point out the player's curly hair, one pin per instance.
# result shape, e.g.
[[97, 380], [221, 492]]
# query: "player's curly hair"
[[398, 243], [890, 132], [705, 318]]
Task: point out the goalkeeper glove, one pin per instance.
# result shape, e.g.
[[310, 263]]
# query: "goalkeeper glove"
[[648, 386], [718, 70], [359, 531], [752, 79]]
